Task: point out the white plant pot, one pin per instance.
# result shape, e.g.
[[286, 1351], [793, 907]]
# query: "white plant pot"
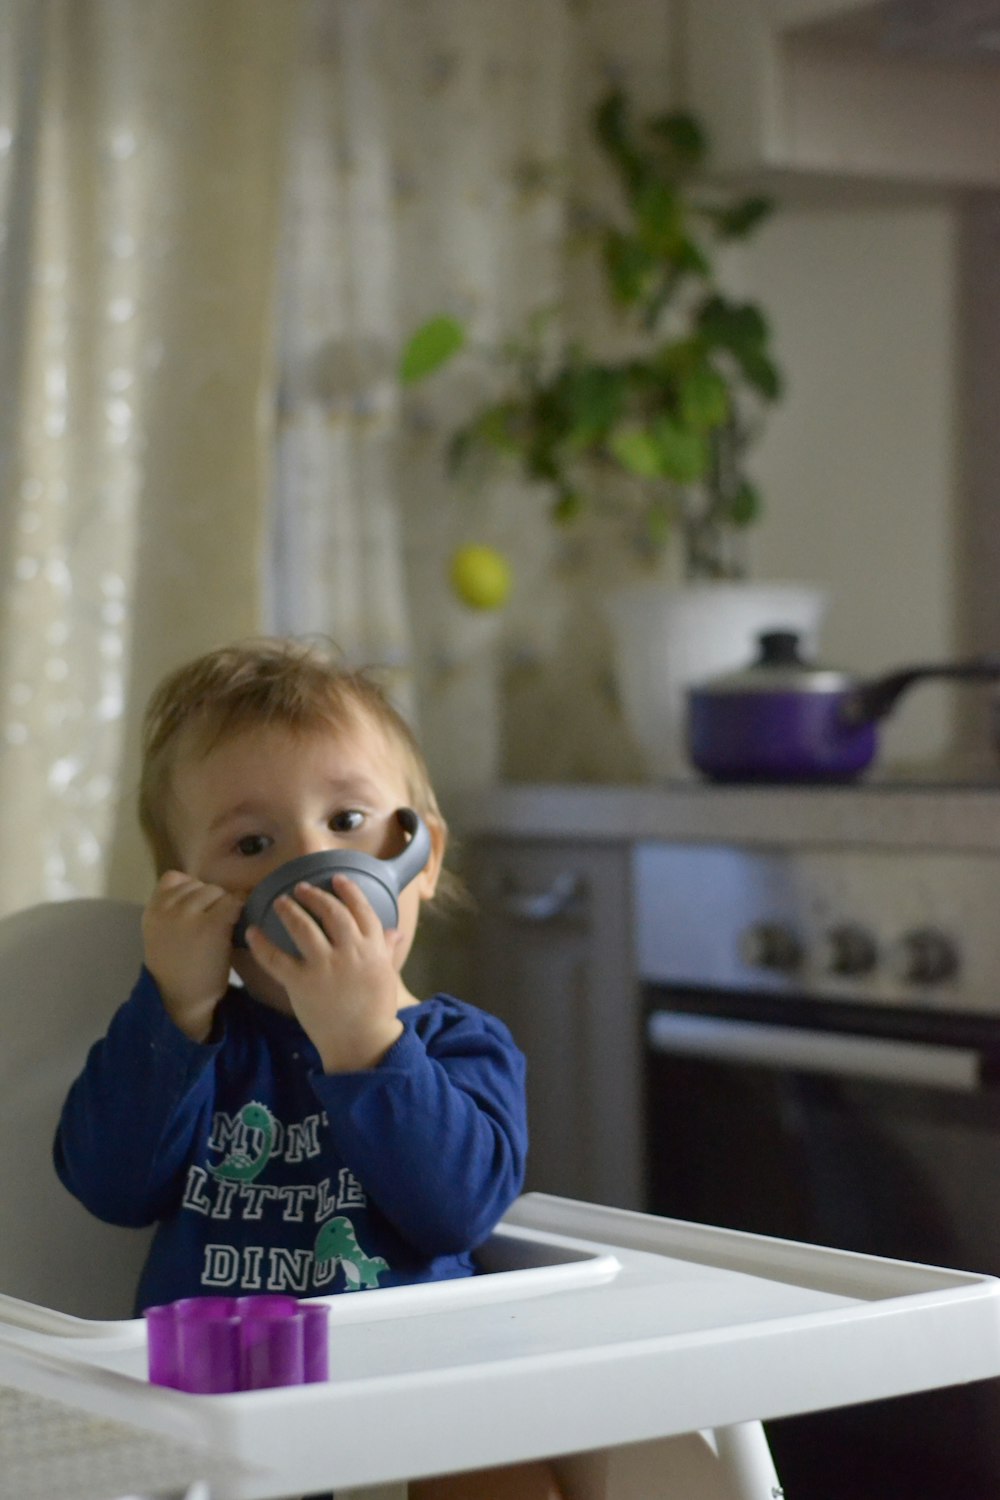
[[670, 636]]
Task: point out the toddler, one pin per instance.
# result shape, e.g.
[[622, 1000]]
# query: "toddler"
[[315, 1127]]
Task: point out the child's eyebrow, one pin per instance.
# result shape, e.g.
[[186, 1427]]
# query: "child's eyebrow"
[[360, 790], [230, 814], [355, 789]]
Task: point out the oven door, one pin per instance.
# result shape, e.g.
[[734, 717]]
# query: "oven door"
[[820, 1122]]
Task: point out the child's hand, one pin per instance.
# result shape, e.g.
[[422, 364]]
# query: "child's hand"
[[187, 931], [345, 987]]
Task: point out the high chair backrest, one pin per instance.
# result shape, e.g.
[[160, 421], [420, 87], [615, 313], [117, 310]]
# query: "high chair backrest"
[[64, 969]]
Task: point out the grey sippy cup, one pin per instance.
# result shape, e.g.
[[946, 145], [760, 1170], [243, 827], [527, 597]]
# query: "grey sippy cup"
[[381, 880]]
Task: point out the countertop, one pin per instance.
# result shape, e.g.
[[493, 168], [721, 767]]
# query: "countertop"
[[872, 814]]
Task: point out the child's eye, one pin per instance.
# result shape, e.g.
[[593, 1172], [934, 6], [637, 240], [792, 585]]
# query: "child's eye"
[[253, 843], [347, 820]]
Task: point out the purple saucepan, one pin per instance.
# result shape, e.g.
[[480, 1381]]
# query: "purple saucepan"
[[783, 719]]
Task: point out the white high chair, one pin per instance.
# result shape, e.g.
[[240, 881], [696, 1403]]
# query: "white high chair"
[[64, 968]]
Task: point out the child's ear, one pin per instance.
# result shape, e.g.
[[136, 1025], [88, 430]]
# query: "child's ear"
[[426, 881]]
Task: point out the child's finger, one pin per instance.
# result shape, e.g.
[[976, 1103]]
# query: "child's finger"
[[353, 897], [177, 891], [202, 898], [312, 920], [275, 961], [172, 889], [216, 896], [334, 916]]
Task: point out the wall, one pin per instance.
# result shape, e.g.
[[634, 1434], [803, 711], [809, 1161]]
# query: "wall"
[[859, 463], [879, 471], [861, 470]]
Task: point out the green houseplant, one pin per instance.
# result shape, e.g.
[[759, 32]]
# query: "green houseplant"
[[661, 433]]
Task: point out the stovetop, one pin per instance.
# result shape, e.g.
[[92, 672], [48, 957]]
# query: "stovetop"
[[868, 926]]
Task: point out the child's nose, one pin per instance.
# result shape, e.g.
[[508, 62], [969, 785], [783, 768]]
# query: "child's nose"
[[315, 841]]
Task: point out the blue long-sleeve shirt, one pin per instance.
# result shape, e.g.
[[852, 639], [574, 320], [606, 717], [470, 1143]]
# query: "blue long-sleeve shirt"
[[263, 1173]]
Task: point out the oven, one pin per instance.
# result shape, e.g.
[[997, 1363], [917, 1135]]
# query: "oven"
[[822, 1063]]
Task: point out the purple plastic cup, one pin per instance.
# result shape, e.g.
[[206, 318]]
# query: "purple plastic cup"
[[272, 1339], [212, 1345], [208, 1345], [206, 1307], [272, 1304], [161, 1345], [316, 1346]]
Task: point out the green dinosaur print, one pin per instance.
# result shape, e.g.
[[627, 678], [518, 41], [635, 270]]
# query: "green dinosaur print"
[[240, 1166], [337, 1241]]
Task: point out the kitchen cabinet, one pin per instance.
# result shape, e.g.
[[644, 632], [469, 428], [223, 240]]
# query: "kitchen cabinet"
[[552, 948], [552, 955], [812, 90]]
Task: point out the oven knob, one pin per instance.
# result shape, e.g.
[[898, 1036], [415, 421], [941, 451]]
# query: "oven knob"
[[849, 950], [770, 945], [926, 956]]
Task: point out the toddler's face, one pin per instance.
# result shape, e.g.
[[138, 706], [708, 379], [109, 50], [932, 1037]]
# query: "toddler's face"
[[265, 797]]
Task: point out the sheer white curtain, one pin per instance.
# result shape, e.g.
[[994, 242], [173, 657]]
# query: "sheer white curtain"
[[141, 144], [408, 156], [435, 153], [427, 172], [336, 549]]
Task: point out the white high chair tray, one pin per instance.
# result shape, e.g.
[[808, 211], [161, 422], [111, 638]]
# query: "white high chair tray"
[[610, 1327]]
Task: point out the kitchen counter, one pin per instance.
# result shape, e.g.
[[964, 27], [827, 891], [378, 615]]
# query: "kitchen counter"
[[872, 814]]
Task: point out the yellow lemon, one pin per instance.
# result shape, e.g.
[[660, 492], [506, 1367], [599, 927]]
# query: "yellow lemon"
[[480, 576]]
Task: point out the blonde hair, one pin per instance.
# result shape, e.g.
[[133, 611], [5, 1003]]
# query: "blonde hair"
[[291, 684]]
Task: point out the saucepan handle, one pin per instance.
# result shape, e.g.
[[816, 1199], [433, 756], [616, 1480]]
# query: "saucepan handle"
[[873, 700]]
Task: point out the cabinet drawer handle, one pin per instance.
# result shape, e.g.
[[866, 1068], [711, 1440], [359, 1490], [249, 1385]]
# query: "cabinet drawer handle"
[[562, 899]]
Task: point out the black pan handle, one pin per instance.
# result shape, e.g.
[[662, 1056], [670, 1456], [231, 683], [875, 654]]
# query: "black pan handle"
[[873, 700]]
